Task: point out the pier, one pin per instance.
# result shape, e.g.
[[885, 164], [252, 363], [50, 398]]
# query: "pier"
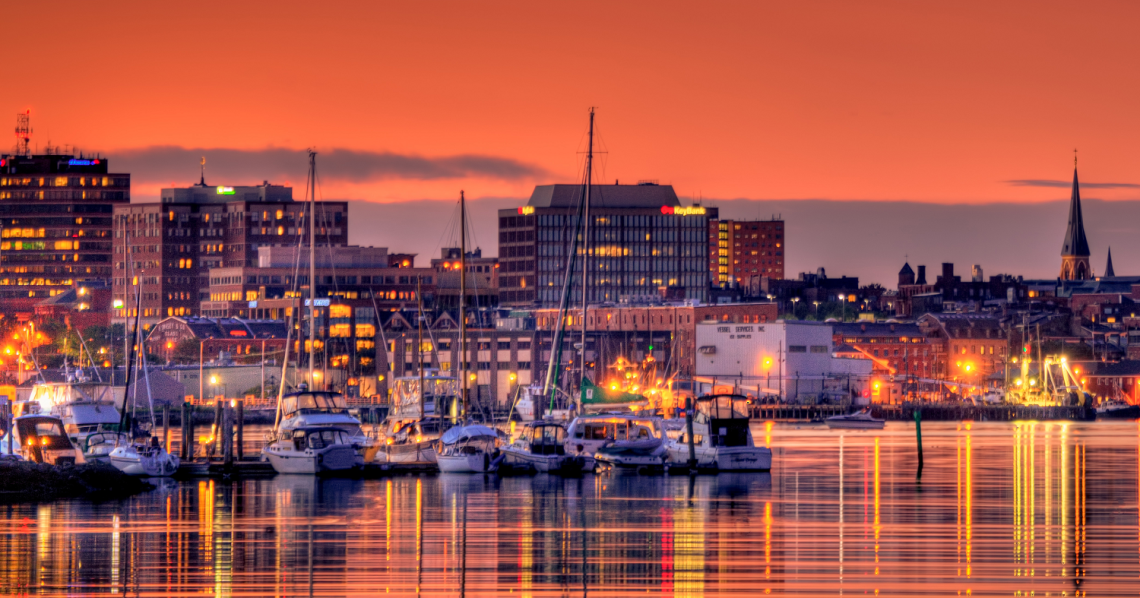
[[930, 411]]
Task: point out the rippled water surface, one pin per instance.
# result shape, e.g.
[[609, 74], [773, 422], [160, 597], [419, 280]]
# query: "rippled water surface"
[[1010, 509]]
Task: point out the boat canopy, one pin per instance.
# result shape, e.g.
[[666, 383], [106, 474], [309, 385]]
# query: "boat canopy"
[[53, 395], [723, 406], [461, 433], [313, 401]]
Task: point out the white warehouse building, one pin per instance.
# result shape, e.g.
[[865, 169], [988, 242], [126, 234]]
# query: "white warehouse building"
[[792, 359]]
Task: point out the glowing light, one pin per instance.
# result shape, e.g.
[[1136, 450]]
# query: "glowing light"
[[526, 210], [683, 211], [225, 190]]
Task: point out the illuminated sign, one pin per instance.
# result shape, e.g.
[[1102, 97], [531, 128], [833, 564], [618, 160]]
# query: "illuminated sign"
[[118, 303], [526, 210], [238, 333], [689, 211], [320, 302], [225, 190], [252, 304], [82, 162], [4, 162]]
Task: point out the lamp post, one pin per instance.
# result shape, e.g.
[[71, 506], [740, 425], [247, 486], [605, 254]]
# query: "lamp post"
[[816, 304], [843, 300], [795, 300]]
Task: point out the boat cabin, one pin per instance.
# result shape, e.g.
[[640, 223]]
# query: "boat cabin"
[[616, 428], [318, 438], [545, 438], [38, 434], [313, 402], [725, 417]]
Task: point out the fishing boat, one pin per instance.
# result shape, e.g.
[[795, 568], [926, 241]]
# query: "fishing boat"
[[468, 449], [722, 439], [542, 447], [860, 420], [618, 441], [314, 450], [39, 437], [90, 412], [1117, 409]]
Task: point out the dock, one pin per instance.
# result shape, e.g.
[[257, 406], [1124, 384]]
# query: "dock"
[[251, 468], [930, 412]]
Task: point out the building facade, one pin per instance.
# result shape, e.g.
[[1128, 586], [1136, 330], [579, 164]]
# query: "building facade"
[[745, 251], [174, 243], [56, 212], [643, 243], [894, 348]]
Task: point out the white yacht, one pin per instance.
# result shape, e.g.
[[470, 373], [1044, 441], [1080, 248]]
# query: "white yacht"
[[722, 438], [145, 458], [90, 412], [860, 420], [321, 409], [542, 447], [618, 441], [468, 449], [314, 450], [40, 438]]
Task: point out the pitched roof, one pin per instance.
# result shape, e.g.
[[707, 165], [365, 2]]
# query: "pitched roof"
[[906, 269], [1076, 244], [1108, 271]]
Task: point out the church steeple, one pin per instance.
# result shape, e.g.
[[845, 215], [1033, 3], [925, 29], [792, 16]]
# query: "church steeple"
[[1075, 249], [1108, 271]]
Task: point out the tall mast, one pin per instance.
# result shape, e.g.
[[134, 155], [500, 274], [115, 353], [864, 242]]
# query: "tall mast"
[[586, 251], [463, 300], [312, 264], [420, 349]]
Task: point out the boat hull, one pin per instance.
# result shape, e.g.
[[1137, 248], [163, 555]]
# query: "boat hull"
[[475, 463], [628, 460], [1131, 412], [332, 459], [558, 464], [854, 424], [131, 462], [412, 452], [742, 458]]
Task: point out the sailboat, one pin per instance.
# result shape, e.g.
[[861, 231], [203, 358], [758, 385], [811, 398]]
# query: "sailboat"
[[313, 431], [144, 456]]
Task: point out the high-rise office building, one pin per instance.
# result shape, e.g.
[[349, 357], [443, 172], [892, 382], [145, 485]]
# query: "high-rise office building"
[[744, 251], [55, 210], [643, 243], [176, 241]]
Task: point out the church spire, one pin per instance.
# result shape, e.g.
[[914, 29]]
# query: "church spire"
[[1075, 249], [1108, 271]]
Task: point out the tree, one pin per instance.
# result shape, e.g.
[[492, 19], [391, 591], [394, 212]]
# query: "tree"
[[188, 350]]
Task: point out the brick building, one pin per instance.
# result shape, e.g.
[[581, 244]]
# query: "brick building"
[[744, 251], [174, 243], [56, 214], [966, 347], [894, 348]]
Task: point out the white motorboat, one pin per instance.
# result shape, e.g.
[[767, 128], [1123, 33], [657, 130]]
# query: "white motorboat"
[[722, 438], [144, 459], [321, 409], [1117, 409], [619, 441], [90, 414], [542, 447], [524, 407], [468, 449], [40, 438], [314, 450], [860, 420]]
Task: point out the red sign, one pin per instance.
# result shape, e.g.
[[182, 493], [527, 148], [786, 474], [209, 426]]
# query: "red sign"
[[237, 333], [667, 210]]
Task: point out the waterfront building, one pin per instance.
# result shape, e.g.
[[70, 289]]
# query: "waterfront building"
[[967, 347], [643, 243], [176, 241], [790, 359], [745, 251], [55, 213], [896, 349]]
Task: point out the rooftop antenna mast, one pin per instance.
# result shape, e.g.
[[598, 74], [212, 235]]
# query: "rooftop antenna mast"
[[23, 133], [202, 182]]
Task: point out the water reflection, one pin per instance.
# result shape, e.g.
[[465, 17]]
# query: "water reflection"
[[1027, 508]]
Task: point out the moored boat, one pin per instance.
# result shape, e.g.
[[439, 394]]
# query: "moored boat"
[[314, 450], [1117, 409], [89, 412], [619, 441], [144, 458], [39, 438], [860, 420], [722, 438], [321, 409], [468, 449], [542, 447]]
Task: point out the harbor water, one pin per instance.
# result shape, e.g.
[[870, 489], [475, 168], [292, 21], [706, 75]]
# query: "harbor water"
[[1010, 508]]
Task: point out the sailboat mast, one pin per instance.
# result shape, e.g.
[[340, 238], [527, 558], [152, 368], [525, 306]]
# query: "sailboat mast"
[[586, 251], [463, 300], [312, 264], [420, 348]]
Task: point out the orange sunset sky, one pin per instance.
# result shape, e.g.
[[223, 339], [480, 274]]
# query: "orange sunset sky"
[[944, 103]]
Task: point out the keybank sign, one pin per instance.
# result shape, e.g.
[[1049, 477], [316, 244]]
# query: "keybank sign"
[[683, 211]]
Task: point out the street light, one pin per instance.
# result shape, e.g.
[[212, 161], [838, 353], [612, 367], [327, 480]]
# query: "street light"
[[795, 300], [843, 300]]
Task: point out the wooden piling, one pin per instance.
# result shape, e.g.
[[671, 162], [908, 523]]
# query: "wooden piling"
[[187, 449], [227, 434], [240, 429], [918, 436], [217, 431]]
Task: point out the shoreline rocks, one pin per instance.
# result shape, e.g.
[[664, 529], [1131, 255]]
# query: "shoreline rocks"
[[37, 482]]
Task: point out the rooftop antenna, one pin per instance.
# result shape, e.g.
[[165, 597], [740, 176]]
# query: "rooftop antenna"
[[1074, 157], [202, 182], [23, 133]]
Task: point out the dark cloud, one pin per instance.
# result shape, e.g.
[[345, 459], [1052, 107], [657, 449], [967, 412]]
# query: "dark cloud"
[[1068, 184], [236, 166]]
